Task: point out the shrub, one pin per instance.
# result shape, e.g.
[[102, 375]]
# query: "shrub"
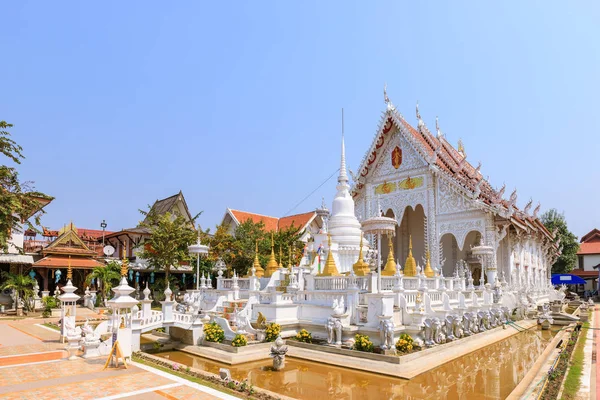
[[213, 332], [273, 330], [363, 343], [239, 341], [50, 302], [405, 343], [304, 336]]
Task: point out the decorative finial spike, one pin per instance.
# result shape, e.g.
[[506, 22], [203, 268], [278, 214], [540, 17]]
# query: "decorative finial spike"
[[386, 99]]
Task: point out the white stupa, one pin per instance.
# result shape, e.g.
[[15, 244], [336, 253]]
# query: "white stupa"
[[344, 227]]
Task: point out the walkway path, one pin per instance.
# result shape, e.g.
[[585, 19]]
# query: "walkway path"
[[33, 366]]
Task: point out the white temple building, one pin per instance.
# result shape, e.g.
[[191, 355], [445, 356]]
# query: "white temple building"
[[444, 203], [464, 260]]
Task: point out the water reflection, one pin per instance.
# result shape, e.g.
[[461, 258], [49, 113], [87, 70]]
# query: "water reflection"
[[490, 373]]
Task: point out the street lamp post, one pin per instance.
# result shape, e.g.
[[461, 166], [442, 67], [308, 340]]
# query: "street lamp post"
[[103, 226], [198, 249]]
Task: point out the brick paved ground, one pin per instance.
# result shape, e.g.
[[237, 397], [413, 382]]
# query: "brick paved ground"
[[33, 365]]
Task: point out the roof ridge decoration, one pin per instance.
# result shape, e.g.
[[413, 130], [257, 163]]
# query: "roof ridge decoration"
[[64, 237]]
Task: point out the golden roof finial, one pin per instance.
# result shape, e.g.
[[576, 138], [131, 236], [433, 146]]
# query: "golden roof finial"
[[390, 265], [429, 272], [410, 265], [361, 268], [259, 271], [124, 263], [330, 267], [272, 264], [69, 270], [289, 258]]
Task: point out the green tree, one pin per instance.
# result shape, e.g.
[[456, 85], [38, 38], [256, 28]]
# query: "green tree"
[[170, 236], [556, 222], [18, 201], [22, 286], [108, 275], [237, 251]]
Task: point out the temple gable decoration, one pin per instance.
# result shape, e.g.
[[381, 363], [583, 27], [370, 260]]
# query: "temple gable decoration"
[[396, 157]]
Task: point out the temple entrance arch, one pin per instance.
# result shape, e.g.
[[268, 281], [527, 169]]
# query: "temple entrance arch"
[[452, 252], [412, 223]]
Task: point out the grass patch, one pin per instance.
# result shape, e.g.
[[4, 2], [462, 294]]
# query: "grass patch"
[[573, 379], [52, 326], [186, 376]]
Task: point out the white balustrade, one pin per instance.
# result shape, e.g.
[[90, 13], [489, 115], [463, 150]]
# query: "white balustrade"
[[387, 282], [331, 283], [410, 283], [244, 283]]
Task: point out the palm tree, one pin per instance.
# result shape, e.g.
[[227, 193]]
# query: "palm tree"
[[107, 274], [21, 284]]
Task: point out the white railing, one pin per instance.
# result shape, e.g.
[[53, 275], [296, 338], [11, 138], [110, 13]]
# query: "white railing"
[[410, 298], [453, 295], [155, 318], [430, 283], [184, 318], [387, 282], [435, 297], [244, 283], [225, 283], [331, 283], [410, 284]]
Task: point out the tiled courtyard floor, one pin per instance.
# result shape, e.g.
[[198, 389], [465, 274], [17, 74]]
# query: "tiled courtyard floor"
[[33, 365]]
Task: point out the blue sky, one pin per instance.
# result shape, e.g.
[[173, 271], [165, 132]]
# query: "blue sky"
[[237, 104]]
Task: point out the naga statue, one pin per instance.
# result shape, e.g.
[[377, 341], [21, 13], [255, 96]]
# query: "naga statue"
[[261, 321]]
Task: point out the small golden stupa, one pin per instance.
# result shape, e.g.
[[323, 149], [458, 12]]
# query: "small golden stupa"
[[429, 272], [272, 264], [330, 267], [410, 265], [390, 265], [259, 271], [361, 268]]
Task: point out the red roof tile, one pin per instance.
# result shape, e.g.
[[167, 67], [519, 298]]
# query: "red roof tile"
[[589, 248], [273, 224], [591, 236], [63, 262], [298, 220], [270, 222]]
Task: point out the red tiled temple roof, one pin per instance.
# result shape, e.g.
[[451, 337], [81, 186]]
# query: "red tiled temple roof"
[[449, 160], [55, 261], [274, 224]]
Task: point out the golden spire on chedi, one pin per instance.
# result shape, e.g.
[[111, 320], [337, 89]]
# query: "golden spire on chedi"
[[429, 272], [272, 264], [410, 265], [330, 267], [361, 268], [390, 265], [259, 271]]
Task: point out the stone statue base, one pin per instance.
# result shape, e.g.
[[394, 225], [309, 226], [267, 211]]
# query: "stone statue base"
[[278, 365], [73, 347], [91, 349], [390, 352]]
